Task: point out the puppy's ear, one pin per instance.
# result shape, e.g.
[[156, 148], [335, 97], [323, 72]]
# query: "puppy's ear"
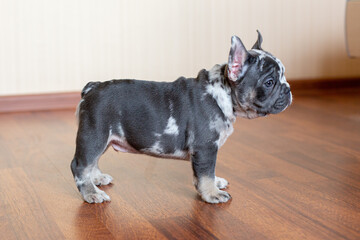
[[237, 58], [258, 43]]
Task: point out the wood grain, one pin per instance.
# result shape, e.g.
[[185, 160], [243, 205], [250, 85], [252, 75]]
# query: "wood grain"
[[295, 175], [28, 217]]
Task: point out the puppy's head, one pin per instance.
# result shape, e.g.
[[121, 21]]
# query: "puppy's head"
[[257, 79]]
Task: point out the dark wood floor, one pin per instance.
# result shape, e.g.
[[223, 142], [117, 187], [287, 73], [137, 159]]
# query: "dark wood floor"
[[295, 175]]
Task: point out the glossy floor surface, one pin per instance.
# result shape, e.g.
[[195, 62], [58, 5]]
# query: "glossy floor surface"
[[295, 175]]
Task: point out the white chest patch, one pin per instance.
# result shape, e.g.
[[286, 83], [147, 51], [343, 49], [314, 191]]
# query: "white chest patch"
[[224, 134], [221, 93], [224, 128]]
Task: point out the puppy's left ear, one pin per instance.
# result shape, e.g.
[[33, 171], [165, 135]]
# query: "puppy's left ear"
[[237, 58], [258, 43]]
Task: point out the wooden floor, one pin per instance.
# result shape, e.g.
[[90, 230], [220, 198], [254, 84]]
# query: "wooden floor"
[[295, 175]]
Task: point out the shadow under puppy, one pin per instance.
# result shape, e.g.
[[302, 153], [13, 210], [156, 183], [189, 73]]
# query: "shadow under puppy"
[[189, 118]]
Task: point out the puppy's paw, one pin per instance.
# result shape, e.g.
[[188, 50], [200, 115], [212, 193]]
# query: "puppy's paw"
[[97, 197], [216, 197], [102, 179], [221, 183]]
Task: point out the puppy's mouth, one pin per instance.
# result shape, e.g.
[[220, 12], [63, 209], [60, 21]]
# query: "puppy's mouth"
[[282, 103], [262, 114]]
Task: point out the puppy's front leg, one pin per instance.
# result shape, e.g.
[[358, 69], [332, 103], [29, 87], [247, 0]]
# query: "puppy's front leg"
[[203, 164]]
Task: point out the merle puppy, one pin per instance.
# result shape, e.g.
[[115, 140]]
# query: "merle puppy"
[[189, 118]]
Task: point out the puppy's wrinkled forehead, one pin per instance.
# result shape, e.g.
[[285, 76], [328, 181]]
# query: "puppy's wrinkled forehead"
[[266, 60]]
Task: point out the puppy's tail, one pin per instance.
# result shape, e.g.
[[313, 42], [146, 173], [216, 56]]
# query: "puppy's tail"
[[88, 87]]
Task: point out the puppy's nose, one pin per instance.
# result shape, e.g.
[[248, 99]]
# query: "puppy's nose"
[[287, 90]]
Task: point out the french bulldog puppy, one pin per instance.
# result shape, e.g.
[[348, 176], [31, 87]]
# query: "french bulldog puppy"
[[190, 118]]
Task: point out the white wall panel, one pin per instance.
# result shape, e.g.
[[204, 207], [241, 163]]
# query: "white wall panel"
[[55, 46]]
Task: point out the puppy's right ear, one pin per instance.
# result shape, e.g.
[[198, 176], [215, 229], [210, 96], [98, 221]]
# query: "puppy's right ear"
[[258, 43], [237, 57]]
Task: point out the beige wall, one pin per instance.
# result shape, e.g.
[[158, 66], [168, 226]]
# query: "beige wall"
[[54, 46]]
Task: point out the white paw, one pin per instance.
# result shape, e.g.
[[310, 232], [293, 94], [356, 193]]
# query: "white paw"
[[216, 197], [102, 179], [98, 197], [221, 183]]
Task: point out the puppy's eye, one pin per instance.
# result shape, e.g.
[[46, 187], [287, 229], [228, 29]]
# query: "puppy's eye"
[[269, 83]]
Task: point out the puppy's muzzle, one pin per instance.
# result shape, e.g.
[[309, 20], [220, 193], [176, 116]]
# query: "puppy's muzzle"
[[283, 101]]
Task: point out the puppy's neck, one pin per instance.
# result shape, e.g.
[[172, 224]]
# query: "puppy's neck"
[[230, 105], [220, 89]]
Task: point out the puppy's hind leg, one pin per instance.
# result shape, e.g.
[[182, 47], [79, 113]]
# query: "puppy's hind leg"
[[89, 147]]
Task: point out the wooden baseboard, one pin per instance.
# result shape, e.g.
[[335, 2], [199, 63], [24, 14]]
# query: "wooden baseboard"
[[319, 86], [39, 102], [57, 101]]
